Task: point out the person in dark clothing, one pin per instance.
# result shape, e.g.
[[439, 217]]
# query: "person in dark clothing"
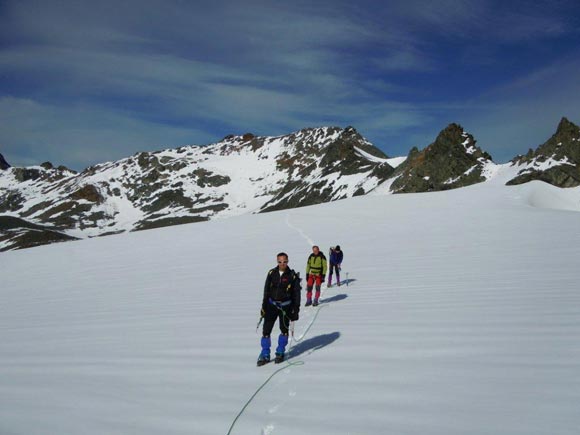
[[281, 301], [336, 256]]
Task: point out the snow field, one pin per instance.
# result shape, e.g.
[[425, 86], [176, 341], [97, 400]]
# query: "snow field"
[[463, 316]]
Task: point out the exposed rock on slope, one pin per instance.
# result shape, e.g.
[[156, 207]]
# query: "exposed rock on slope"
[[238, 175], [16, 233], [451, 161], [556, 162], [3, 163]]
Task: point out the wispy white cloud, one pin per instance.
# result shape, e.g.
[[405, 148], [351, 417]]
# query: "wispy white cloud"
[[169, 72], [78, 135], [525, 111]]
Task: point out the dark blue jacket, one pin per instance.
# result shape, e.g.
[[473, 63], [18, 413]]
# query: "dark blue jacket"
[[336, 257]]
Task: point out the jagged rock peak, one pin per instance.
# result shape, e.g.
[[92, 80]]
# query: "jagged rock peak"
[[565, 126], [452, 130], [557, 161], [454, 135], [452, 160], [3, 163], [307, 140], [313, 133]]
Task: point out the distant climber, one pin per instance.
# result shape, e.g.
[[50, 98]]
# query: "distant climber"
[[336, 256], [281, 301], [315, 274]]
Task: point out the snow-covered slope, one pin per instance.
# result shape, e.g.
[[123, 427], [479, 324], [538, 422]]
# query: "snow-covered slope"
[[249, 174], [240, 174], [462, 316]]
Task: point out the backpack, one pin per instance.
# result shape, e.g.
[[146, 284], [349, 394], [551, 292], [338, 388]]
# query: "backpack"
[[298, 280]]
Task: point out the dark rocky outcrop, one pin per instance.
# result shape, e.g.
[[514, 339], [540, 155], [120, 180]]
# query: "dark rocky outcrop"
[[452, 161], [27, 174], [21, 234], [11, 201], [166, 222], [89, 193], [557, 161], [169, 199], [208, 178], [344, 150], [3, 163]]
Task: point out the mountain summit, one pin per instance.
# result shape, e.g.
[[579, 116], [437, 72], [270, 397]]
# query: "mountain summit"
[[252, 174], [557, 161], [240, 174], [452, 161]]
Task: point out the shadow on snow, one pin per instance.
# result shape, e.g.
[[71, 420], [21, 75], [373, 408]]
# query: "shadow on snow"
[[334, 298], [347, 281], [313, 344]]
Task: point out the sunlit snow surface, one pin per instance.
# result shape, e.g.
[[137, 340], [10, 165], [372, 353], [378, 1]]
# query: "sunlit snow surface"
[[462, 317], [252, 178]]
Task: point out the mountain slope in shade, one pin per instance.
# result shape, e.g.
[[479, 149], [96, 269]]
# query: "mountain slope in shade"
[[3, 163], [452, 161], [240, 174], [557, 161], [16, 232]]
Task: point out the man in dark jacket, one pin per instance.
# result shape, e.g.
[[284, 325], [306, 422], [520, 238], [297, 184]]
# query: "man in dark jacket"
[[281, 301], [336, 257]]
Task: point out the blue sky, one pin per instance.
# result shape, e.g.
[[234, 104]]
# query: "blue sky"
[[86, 82]]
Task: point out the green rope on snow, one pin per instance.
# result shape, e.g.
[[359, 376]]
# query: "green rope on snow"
[[309, 326], [293, 363], [289, 364]]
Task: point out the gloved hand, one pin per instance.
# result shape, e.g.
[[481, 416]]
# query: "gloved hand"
[[293, 315], [262, 313], [323, 277]]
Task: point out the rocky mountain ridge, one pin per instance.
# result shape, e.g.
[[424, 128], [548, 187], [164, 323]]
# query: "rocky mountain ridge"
[[452, 161], [240, 174], [557, 161], [3, 163], [251, 174]]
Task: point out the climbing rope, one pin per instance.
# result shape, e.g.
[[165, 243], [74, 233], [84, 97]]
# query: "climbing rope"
[[290, 324], [293, 363], [289, 364], [294, 340], [298, 340]]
